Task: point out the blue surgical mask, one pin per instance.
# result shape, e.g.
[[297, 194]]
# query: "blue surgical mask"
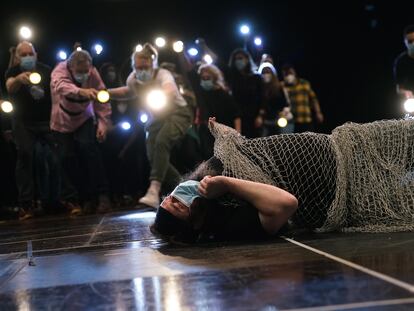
[[186, 192], [410, 48], [240, 64], [207, 85], [81, 77], [111, 76], [28, 62], [143, 75], [267, 77]]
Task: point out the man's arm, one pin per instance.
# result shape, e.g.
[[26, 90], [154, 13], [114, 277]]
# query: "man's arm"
[[13, 84], [275, 205], [102, 110], [315, 104]]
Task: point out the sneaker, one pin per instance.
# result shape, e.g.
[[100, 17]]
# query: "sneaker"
[[25, 212], [73, 208], [104, 204], [151, 199]]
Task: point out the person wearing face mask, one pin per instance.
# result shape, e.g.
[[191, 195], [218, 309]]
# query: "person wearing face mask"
[[246, 87], [214, 99], [303, 101], [167, 125], [275, 104], [404, 66], [78, 122], [30, 122]]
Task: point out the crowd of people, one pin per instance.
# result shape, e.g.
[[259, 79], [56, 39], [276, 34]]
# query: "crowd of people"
[[63, 151]]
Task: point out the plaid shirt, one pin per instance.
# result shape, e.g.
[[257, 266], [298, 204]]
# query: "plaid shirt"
[[302, 100]]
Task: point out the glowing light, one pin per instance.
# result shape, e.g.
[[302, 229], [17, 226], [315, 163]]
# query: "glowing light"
[[35, 78], [409, 105], [282, 122], [141, 215], [62, 55], [79, 48], [245, 30], [25, 32], [160, 42], [138, 48], [6, 107], [193, 52], [178, 46], [126, 125], [103, 96], [143, 118], [98, 49], [258, 41], [156, 100], [208, 59]]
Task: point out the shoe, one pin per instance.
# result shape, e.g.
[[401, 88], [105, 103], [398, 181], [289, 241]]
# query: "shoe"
[[151, 199], [73, 208], [25, 213], [104, 204]]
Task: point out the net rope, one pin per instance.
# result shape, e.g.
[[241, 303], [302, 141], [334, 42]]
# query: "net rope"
[[358, 179]]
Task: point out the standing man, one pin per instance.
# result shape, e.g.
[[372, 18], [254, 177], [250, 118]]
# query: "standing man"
[[30, 120], [303, 101], [168, 125], [79, 121], [404, 65]]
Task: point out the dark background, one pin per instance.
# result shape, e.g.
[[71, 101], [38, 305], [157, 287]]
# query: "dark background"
[[345, 48]]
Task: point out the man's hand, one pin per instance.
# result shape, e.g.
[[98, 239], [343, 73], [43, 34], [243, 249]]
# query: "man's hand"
[[319, 117], [211, 121], [212, 187], [88, 93], [258, 122], [101, 133], [24, 78], [408, 94]]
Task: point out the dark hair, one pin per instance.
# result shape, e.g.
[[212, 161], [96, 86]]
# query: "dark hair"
[[287, 67], [166, 224], [210, 220], [408, 29], [251, 66]]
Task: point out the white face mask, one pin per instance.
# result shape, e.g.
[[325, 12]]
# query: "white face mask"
[[267, 77], [122, 107], [290, 79], [143, 75], [410, 48]]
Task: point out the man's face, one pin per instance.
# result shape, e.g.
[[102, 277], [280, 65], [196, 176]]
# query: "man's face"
[[205, 75], [176, 208], [290, 71], [143, 62], [81, 68], [409, 39], [25, 50]]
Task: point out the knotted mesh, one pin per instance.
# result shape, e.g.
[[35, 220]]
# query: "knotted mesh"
[[359, 178]]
